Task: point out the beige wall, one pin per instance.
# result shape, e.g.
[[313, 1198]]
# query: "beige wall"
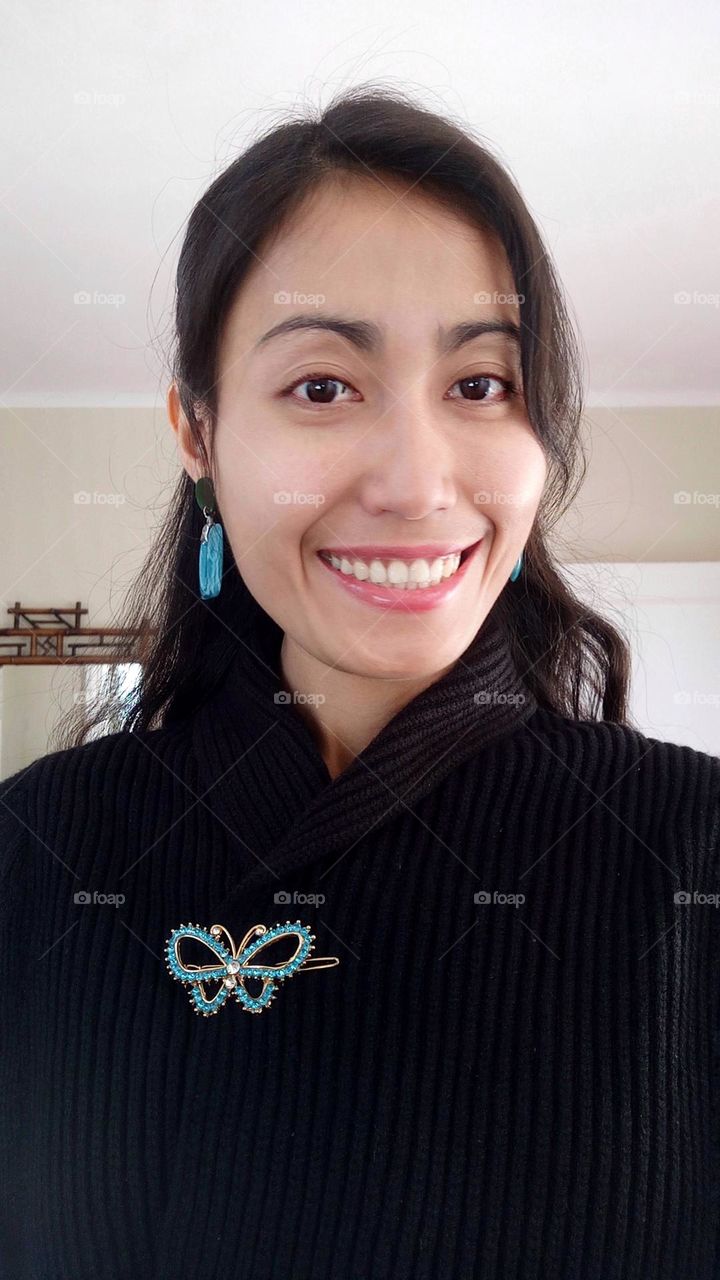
[[639, 460], [56, 548]]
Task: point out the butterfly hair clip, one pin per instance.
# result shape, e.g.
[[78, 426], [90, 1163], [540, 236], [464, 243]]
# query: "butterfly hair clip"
[[233, 966]]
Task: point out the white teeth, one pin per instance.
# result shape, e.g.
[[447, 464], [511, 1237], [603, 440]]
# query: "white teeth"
[[404, 574]]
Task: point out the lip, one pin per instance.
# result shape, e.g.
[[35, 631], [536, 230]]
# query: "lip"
[[394, 597]]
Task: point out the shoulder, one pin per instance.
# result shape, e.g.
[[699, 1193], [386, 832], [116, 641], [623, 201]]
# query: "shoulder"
[[617, 739], [63, 790], [663, 777]]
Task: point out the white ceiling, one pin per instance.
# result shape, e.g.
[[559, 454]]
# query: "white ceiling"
[[117, 116]]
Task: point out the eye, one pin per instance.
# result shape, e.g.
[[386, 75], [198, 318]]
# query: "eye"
[[324, 389], [480, 389], [321, 389]]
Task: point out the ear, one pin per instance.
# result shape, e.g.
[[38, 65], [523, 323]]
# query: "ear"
[[187, 450]]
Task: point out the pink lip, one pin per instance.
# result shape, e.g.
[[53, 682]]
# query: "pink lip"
[[416, 601]]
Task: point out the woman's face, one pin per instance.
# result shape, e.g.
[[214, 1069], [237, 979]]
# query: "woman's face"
[[388, 439]]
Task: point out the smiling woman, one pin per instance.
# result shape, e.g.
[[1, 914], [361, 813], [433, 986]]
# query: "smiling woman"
[[369, 332], [410, 414], [408, 744]]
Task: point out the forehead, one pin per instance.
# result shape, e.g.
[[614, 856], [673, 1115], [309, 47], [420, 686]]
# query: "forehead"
[[382, 250]]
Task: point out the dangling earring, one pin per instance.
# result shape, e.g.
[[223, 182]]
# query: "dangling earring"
[[211, 540], [516, 568]]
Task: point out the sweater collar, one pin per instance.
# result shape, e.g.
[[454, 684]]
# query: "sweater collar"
[[261, 774]]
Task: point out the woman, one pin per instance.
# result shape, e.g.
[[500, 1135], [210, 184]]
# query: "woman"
[[356, 951]]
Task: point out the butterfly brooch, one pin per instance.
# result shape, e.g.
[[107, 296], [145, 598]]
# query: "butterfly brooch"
[[233, 966]]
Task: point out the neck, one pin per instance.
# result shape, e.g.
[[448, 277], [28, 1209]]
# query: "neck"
[[344, 711]]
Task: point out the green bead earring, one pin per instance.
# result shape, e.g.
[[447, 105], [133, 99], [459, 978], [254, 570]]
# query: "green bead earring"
[[211, 540]]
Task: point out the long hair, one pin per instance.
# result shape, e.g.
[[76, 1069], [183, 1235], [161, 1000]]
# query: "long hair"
[[575, 661]]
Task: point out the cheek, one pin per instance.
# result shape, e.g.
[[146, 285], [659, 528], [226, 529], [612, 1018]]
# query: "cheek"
[[512, 479], [527, 478], [266, 525], [271, 493], [246, 512], [274, 469]]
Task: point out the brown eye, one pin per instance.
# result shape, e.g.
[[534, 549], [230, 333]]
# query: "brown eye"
[[485, 388], [321, 389]]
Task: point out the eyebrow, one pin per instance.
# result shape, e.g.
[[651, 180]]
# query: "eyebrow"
[[368, 336]]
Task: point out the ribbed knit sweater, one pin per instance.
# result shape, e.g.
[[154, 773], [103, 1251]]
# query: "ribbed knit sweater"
[[511, 1074]]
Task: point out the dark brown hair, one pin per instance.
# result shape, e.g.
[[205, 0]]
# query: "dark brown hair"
[[575, 661]]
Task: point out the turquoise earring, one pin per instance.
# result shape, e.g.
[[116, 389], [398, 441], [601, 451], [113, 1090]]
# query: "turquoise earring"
[[516, 568], [211, 540]]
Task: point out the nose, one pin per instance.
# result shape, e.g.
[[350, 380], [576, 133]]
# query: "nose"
[[411, 465]]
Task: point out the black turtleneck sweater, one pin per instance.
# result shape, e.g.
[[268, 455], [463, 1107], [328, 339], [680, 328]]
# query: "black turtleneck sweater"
[[512, 1072]]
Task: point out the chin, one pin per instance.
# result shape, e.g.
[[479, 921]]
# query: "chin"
[[403, 661]]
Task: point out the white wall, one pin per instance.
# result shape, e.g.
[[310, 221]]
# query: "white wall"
[[33, 698], [671, 614]]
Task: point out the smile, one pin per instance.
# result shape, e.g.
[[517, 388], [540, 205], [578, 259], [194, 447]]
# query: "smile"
[[406, 575], [409, 580]]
